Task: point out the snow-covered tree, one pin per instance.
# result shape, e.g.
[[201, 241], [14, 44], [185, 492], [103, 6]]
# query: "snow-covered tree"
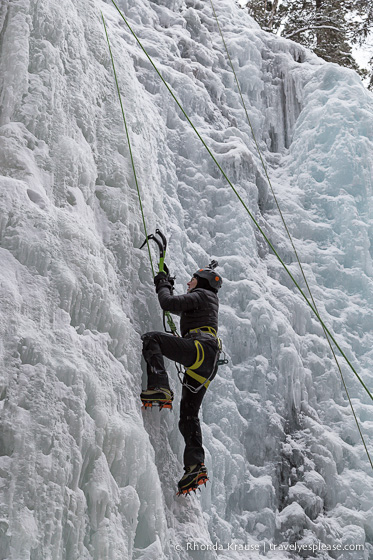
[[329, 27], [266, 13]]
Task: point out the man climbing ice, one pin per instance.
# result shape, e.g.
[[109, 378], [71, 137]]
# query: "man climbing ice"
[[197, 349]]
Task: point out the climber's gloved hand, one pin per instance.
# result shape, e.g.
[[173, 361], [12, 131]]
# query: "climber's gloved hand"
[[162, 279]]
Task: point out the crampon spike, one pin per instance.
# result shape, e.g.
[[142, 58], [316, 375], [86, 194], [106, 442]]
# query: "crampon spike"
[[160, 405], [146, 405], [165, 405], [196, 485]]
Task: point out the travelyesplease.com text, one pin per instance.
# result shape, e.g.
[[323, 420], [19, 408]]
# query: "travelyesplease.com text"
[[265, 546]]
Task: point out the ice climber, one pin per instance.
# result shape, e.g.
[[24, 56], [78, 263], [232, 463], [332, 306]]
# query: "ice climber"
[[197, 349]]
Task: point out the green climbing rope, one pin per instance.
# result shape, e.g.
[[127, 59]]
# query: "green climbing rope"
[[286, 227], [243, 203], [161, 262], [129, 145]]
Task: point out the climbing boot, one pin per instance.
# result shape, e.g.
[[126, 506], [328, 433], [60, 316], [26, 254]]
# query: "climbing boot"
[[157, 396], [194, 476]]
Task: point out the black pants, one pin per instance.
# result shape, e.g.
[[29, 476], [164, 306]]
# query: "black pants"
[[183, 351]]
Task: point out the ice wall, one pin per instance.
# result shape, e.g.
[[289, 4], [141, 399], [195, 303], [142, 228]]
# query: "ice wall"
[[84, 473]]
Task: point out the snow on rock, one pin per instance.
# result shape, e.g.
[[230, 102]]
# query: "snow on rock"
[[84, 474]]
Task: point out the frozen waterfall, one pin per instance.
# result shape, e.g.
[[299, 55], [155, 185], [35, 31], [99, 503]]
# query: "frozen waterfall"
[[84, 473]]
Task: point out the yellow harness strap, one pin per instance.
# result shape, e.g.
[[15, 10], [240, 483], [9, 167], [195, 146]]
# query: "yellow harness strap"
[[209, 330], [199, 361], [201, 355]]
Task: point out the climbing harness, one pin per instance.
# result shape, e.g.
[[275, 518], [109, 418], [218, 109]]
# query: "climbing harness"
[[161, 242], [211, 330], [191, 370]]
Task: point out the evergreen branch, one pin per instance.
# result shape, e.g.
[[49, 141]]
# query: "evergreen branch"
[[312, 27]]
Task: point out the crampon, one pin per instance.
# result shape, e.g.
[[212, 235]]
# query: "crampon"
[[160, 397], [194, 476]]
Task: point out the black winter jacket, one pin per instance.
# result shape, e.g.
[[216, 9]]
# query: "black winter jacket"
[[197, 308]]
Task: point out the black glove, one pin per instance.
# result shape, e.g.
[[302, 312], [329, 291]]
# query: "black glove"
[[162, 279]]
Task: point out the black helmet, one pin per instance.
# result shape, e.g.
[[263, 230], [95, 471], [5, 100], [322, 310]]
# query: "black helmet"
[[213, 278]]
